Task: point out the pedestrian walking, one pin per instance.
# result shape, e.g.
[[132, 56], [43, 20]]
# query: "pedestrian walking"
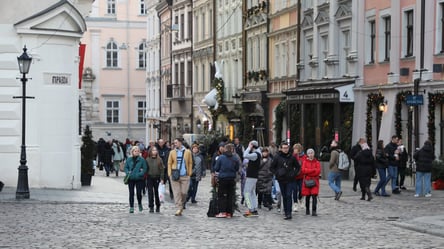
[[154, 178], [365, 170], [311, 168], [226, 168], [136, 168], [391, 150], [164, 152], [108, 154], [253, 154], [298, 153], [285, 167], [118, 156], [196, 176], [353, 152], [334, 176], [424, 159], [402, 168], [181, 159], [381, 163], [265, 181]]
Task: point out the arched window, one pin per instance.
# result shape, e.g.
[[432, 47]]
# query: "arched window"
[[111, 54], [142, 55]]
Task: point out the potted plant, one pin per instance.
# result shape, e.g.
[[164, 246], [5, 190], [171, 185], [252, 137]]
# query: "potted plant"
[[88, 153], [438, 174]]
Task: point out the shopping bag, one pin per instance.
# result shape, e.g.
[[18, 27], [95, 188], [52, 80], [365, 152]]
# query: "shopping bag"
[[161, 191]]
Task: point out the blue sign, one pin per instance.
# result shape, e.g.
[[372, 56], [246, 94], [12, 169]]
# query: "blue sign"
[[414, 100]]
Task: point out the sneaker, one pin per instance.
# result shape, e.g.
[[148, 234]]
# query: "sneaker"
[[295, 207], [403, 188], [428, 195], [338, 195], [178, 213], [248, 214], [416, 195], [229, 215], [151, 210], [221, 215], [157, 209], [140, 207], [288, 217], [131, 210], [396, 191]]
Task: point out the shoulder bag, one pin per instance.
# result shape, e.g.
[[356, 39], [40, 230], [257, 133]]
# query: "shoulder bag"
[[175, 173]]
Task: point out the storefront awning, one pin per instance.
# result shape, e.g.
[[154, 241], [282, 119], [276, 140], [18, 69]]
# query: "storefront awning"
[[341, 92]]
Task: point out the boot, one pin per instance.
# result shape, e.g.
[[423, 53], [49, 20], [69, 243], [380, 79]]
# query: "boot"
[[369, 194], [307, 205], [315, 203], [363, 195]]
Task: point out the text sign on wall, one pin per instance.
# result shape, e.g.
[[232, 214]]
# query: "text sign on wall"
[[57, 79]]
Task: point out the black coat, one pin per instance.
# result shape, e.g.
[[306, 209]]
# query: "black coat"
[[365, 164], [381, 161], [279, 161], [424, 158]]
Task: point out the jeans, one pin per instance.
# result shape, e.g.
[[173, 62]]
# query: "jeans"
[[423, 182], [392, 175], [382, 181], [297, 193], [334, 181], [140, 184], [192, 190], [287, 191], [153, 191], [250, 193]]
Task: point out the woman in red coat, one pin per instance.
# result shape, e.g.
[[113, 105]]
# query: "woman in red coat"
[[311, 168]]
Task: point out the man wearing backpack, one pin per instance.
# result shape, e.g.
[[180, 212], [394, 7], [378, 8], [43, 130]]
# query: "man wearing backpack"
[[334, 176]]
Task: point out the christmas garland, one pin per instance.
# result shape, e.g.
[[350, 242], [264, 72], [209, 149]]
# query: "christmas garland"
[[434, 98], [373, 99], [400, 98], [280, 112]]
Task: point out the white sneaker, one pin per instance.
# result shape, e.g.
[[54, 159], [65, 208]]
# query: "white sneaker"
[[301, 205], [428, 195], [295, 207], [416, 195]]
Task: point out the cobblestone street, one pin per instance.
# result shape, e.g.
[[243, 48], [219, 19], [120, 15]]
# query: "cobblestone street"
[[97, 217]]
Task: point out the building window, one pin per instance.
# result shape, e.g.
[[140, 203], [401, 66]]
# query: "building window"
[[111, 7], [409, 27], [111, 54], [387, 36], [372, 42], [112, 112], [190, 26], [142, 7], [190, 73], [141, 112], [182, 27], [142, 55]]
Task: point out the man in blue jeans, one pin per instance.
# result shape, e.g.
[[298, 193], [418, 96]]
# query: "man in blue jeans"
[[334, 176], [392, 152]]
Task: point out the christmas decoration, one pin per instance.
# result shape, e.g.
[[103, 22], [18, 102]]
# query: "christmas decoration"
[[373, 100]]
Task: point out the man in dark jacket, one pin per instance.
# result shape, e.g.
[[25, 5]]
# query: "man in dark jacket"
[[286, 168], [226, 168], [164, 152], [424, 158], [353, 152], [391, 150]]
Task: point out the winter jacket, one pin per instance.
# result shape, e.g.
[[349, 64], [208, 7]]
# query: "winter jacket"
[[365, 164], [187, 156], [381, 161], [227, 166], [334, 160], [156, 167], [254, 161], [136, 168], [197, 167], [390, 151], [311, 170], [265, 176], [424, 158], [279, 161], [300, 158], [118, 152]]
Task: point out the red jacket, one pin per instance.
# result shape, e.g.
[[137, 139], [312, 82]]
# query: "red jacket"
[[311, 170]]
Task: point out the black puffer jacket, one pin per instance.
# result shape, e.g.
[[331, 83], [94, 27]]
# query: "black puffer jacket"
[[381, 160], [424, 158], [366, 164]]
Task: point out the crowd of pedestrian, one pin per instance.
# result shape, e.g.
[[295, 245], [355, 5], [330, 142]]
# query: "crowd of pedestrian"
[[267, 176]]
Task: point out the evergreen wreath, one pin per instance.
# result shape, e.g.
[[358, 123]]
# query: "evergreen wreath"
[[373, 100], [434, 98], [400, 99], [280, 112]]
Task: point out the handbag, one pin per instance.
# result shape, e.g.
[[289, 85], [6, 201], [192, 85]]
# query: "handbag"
[[310, 183], [126, 179], [122, 166]]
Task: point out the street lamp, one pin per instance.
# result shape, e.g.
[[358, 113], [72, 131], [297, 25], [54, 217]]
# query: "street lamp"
[[24, 62]]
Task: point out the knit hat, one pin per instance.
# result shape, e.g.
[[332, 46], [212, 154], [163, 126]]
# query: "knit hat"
[[254, 143]]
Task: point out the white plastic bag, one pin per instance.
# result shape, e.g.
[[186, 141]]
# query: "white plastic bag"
[[161, 191]]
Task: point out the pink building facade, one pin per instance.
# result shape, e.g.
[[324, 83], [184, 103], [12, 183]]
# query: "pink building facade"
[[393, 58]]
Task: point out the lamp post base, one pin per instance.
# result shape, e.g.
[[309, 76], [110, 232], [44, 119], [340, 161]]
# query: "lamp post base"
[[22, 184]]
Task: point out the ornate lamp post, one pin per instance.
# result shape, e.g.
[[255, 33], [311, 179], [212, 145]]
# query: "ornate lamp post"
[[24, 62]]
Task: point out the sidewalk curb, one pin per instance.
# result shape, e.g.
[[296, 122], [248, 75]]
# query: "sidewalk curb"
[[420, 228]]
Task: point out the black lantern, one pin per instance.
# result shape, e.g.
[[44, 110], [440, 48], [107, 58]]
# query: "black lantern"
[[24, 62]]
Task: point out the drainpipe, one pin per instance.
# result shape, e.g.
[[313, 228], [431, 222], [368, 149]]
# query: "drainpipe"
[[128, 74], [421, 68]]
